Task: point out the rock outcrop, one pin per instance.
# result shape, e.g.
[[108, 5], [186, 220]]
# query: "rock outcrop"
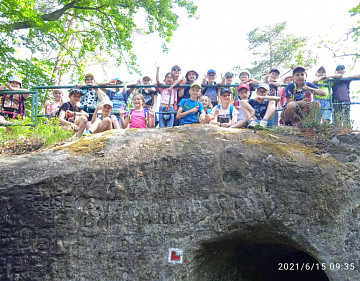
[[186, 203]]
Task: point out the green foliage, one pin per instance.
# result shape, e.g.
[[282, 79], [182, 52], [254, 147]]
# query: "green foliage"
[[48, 132], [65, 35], [272, 48]]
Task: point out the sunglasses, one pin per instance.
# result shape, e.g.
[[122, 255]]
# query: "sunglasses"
[[89, 79], [176, 68]]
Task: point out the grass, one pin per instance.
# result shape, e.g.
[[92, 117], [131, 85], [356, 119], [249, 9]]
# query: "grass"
[[21, 139]]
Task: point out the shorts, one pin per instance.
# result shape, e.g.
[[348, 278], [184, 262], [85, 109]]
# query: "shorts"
[[325, 108]]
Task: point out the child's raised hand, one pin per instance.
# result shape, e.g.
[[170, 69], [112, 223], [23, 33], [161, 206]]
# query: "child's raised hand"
[[112, 82], [222, 79], [2, 88], [157, 64], [217, 111], [47, 103], [122, 110], [184, 80], [79, 86], [138, 82], [204, 79]]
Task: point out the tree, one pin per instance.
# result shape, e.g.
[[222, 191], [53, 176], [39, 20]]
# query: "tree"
[[272, 48], [64, 35]]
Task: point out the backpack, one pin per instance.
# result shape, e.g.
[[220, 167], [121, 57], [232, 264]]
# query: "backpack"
[[231, 109], [12, 98], [146, 115]]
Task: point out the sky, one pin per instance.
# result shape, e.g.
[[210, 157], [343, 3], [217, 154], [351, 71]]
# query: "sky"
[[218, 37]]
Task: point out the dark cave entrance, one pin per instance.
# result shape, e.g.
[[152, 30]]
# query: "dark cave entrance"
[[244, 260]]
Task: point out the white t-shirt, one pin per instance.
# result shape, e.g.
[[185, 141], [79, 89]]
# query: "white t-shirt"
[[224, 114]]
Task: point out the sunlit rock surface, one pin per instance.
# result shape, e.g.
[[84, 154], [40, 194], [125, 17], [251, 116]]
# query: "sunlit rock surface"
[[186, 203]]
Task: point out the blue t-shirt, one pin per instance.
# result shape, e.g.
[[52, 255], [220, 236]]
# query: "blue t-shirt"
[[298, 94], [191, 118], [118, 98], [260, 108]]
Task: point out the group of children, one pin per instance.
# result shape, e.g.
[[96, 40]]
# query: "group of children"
[[184, 101]]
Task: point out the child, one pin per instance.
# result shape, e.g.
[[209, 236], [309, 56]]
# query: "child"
[[140, 117], [189, 109], [71, 117], [118, 97], [91, 97], [12, 105], [167, 101], [298, 97], [244, 93], [271, 79], [260, 110], [52, 109], [205, 101], [211, 92], [227, 79], [224, 114], [245, 78], [190, 76], [324, 101], [341, 95], [287, 80], [106, 121]]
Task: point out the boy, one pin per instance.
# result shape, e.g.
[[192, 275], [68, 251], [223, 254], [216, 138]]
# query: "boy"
[[189, 109], [224, 114], [324, 101], [341, 95], [89, 101], [271, 78], [72, 117], [118, 97], [260, 110], [298, 98], [12, 105], [244, 93], [228, 80], [211, 92]]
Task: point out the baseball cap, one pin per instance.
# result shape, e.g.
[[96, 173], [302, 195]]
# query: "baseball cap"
[[107, 101], [225, 90], [340, 66], [245, 71], [229, 74], [89, 75], [211, 71], [195, 85], [118, 79], [187, 73], [321, 68], [299, 67], [15, 78], [275, 70], [77, 91], [264, 86], [244, 86], [146, 77]]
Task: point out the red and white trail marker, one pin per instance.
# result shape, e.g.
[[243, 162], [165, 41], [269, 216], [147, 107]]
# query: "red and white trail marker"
[[175, 255]]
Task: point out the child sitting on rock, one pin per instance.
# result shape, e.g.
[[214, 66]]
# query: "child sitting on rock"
[[224, 114], [261, 110], [189, 109], [140, 117], [244, 93], [106, 121]]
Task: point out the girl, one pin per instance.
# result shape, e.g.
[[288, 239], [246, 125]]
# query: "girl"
[[12, 105], [71, 117], [106, 121], [140, 117], [205, 100], [52, 109], [287, 80], [190, 77], [167, 101]]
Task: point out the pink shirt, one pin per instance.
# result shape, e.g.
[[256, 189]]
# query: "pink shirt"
[[54, 107], [137, 120], [165, 94]]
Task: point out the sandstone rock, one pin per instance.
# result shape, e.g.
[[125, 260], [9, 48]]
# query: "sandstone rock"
[[185, 203]]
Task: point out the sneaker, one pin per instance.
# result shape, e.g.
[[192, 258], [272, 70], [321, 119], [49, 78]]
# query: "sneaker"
[[87, 132], [263, 123], [252, 124]]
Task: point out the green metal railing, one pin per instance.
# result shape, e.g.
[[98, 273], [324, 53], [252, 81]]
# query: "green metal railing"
[[37, 89]]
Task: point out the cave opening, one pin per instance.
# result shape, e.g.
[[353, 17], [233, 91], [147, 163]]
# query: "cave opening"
[[247, 260]]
